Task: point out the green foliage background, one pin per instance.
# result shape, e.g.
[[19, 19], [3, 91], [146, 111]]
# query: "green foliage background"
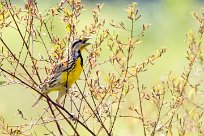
[[169, 19]]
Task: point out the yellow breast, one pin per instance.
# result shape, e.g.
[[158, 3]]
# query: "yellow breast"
[[73, 75]]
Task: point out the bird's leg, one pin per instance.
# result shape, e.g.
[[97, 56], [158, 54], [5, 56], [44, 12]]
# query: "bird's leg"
[[36, 102], [61, 93]]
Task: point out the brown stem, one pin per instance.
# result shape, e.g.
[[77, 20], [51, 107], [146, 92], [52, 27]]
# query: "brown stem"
[[21, 35], [57, 124], [55, 104], [140, 105], [126, 71], [96, 115], [18, 61]]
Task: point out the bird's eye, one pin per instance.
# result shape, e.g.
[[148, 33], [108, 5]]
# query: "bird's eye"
[[80, 41]]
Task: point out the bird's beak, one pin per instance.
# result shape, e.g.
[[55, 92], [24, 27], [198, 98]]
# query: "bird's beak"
[[86, 39], [85, 43]]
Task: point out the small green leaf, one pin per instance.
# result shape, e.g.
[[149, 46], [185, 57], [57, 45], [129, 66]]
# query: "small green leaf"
[[68, 27], [2, 82], [1, 6]]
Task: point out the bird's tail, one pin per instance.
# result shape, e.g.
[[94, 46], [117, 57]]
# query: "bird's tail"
[[44, 92], [36, 102]]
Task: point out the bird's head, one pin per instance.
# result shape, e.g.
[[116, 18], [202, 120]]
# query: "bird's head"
[[80, 44]]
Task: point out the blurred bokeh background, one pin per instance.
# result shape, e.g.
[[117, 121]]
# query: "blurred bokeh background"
[[169, 19]]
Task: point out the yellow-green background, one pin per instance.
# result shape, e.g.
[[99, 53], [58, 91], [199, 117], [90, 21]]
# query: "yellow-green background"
[[169, 19]]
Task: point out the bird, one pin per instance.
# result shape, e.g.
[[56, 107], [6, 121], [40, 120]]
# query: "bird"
[[65, 73]]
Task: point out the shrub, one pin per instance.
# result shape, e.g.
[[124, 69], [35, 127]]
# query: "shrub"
[[98, 102]]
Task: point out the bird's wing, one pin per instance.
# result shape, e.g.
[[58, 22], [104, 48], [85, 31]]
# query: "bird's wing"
[[62, 66], [65, 66]]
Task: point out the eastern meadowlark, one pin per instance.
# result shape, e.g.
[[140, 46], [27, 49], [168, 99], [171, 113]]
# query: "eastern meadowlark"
[[64, 74]]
